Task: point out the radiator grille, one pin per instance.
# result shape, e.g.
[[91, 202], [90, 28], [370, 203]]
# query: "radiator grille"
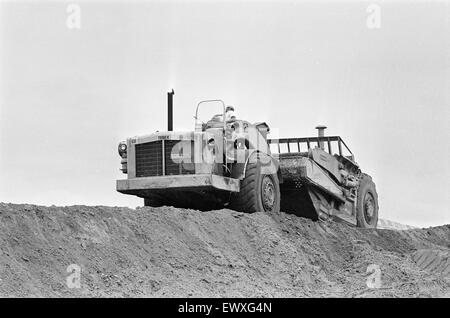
[[149, 159]]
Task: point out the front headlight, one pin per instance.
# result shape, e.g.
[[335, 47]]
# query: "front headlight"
[[123, 149]]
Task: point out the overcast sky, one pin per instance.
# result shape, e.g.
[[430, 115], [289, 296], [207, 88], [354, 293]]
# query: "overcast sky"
[[69, 95]]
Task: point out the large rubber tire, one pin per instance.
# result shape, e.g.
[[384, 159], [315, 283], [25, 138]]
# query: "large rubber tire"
[[367, 203], [258, 192]]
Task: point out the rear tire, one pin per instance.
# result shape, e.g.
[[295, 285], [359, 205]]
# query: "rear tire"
[[367, 203], [258, 192]]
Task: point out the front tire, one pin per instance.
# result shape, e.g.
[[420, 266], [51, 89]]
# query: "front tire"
[[258, 192], [367, 203]]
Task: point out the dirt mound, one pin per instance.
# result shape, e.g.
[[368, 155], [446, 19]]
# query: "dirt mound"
[[391, 225], [174, 252], [433, 261]]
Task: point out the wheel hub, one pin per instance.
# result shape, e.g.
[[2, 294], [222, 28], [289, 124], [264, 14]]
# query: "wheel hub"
[[268, 193], [369, 207]]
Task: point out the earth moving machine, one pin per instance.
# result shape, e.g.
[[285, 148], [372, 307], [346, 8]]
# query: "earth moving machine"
[[232, 163]]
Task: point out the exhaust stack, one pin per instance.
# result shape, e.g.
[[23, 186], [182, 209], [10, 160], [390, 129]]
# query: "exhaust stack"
[[321, 133], [170, 110]]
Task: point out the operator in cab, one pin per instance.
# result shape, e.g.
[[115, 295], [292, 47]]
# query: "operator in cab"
[[229, 114], [217, 120]]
